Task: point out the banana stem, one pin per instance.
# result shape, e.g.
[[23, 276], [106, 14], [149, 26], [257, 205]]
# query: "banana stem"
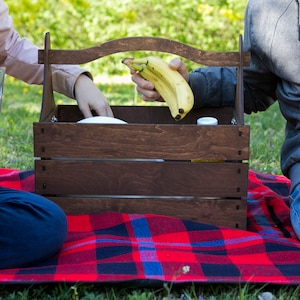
[[138, 67]]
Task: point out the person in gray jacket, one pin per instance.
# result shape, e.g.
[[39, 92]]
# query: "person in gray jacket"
[[273, 38]]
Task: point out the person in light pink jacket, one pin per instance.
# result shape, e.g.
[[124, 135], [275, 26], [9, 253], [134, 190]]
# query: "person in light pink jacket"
[[32, 228], [19, 56]]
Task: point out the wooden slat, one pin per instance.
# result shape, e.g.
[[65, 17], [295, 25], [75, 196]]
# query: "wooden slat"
[[147, 44], [161, 115], [149, 114], [239, 98], [180, 142], [48, 104], [221, 212], [140, 178]]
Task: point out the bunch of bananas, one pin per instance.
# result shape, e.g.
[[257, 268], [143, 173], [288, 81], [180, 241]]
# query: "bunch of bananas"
[[172, 87]]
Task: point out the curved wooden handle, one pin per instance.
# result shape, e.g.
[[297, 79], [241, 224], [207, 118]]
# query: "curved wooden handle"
[[145, 44]]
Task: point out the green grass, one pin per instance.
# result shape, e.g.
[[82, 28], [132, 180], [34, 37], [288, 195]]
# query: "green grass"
[[267, 130], [127, 292], [21, 107]]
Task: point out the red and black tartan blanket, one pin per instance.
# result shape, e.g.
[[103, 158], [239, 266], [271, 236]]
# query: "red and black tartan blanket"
[[116, 247]]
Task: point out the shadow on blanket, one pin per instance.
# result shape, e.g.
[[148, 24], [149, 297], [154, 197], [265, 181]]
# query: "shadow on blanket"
[[115, 247]]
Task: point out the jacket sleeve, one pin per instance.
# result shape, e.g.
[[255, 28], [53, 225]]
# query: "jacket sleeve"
[[213, 86], [19, 56], [216, 87]]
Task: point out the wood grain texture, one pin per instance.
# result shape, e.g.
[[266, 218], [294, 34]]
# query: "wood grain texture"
[[222, 212], [162, 141], [153, 178], [149, 114], [83, 56]]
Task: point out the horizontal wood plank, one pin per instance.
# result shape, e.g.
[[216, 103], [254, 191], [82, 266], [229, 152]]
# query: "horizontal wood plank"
[[221, 212], [149, 114], [83, 56], [162, 141], [168, 178]]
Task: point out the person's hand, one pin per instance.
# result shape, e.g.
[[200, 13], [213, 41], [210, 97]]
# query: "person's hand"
[[90, 98], [147, 89]]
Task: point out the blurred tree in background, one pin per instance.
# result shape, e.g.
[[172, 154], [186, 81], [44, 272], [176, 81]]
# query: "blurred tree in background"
[[212, 25]]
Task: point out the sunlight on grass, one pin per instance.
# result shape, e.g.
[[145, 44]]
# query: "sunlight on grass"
[[266, 138]]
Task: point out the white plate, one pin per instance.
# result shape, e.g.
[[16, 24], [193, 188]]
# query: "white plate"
[[102, 120]]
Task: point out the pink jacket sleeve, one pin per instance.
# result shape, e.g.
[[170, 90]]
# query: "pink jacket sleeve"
[[19, 56]]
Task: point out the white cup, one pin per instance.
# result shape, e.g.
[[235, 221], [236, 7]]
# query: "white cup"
[[207, 121]]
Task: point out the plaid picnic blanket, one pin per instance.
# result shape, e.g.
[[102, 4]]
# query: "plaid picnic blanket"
[[116, 247]]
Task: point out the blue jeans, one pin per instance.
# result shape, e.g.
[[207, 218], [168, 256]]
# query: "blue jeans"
[[32, 228], [295, 209]]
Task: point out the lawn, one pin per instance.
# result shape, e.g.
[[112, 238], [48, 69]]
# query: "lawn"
[[21, 107]]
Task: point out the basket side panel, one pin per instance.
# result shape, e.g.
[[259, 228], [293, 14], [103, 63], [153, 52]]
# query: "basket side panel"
[[222, 212], [169, 178], [162, 141]]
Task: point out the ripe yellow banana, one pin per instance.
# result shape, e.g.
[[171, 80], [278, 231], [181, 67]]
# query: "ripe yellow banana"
[[169, 83]]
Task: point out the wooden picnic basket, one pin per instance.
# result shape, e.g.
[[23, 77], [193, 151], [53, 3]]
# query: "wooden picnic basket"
[[146, 165]]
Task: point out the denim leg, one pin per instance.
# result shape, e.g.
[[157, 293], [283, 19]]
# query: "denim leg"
[[32, 228], [295, 210]]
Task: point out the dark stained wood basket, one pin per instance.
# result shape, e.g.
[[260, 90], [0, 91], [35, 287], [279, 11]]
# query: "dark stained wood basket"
[[146, 165]]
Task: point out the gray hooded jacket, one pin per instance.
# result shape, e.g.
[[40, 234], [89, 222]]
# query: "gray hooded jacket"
[[272, 36]]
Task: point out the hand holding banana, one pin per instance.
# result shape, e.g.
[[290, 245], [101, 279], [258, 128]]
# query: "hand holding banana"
[[168, 83]]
